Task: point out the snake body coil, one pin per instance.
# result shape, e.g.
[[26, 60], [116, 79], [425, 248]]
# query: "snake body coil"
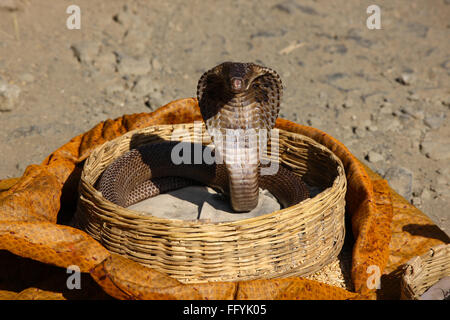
[[239, 103]]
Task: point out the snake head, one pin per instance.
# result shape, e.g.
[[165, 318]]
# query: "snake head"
[[238, 77]]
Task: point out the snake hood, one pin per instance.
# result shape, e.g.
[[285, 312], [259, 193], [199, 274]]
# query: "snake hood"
[[254, 90], [240, 96]]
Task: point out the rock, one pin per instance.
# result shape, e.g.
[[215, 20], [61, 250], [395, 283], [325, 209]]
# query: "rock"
[[417, 202], [286, 7], [386, 108], [323, 95], [203, 204], [391, 125], [400, 179], [374, 156], [127, 18], [156, 65], [415, 110], [131, 66], [113, 88], [426, 194], [9, 95], [150, 90], [86, 51], [415, 134], [442, 178], [405, 79], [306, 9], [436, 145], [434, 121], [359, 132], [413, 96], [348, 103], [135, 41], [105, 61]]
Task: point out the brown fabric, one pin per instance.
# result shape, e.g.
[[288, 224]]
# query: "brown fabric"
[[31, 205]]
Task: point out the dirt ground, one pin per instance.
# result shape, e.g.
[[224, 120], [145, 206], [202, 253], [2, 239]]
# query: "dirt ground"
[[385, 93]]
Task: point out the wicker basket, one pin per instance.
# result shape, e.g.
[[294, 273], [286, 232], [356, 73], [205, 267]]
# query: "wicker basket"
[[420, 273], [298, 240]]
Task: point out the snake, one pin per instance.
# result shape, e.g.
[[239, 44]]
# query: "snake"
[[239, 103]]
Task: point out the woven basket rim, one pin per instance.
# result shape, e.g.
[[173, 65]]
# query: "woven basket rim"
[[297, 240], [415, 274], [133, 214]]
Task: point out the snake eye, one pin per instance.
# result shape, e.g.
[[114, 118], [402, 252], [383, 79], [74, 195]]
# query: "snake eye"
[[237, 84]]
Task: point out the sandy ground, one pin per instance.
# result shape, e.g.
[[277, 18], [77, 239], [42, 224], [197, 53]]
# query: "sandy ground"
[[384, 93]]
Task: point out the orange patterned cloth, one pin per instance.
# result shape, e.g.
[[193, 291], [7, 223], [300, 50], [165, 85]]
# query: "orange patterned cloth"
[[388, 231]]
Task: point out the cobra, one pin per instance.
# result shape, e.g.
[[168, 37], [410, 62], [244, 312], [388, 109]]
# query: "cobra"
[[237, 101]]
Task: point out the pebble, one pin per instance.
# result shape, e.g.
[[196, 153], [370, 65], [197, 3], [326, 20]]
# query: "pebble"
[[359, 132], [436, 145], [414, 110], [150, 90], [400, 179], [405, 79], [131, 66], [147, 86], [386, 108], [9, 95], [106, 61], [135, 41], [443, 176], [413, 96], [374, 156], [127, 18], [426, 194], [434, 121], [86, 51], [348, 103], [113, 88], [286, 7], [156, 65], [442, 180]]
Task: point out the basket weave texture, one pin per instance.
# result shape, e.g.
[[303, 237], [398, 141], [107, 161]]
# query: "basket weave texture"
[[422, 272], [298, 240]]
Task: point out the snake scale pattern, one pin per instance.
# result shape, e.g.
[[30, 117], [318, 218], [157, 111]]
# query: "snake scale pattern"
[[237, 101]]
